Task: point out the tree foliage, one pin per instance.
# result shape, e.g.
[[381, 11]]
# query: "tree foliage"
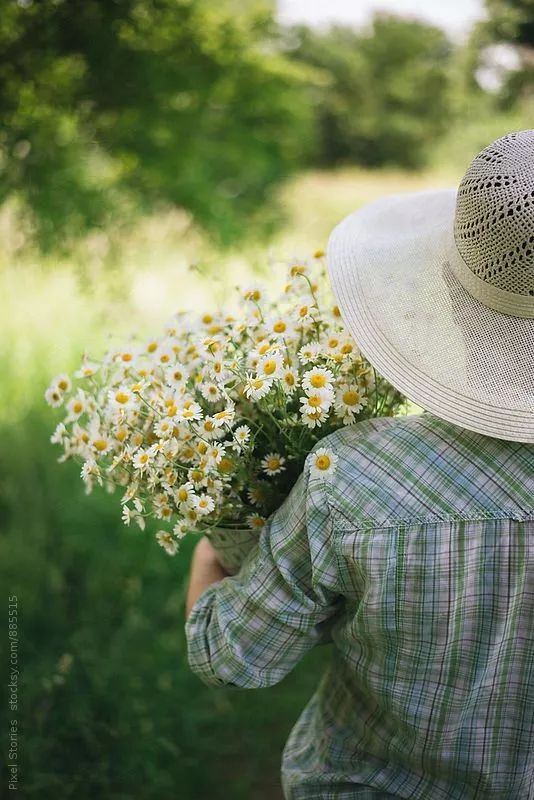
[[113, 105], [384, 96]]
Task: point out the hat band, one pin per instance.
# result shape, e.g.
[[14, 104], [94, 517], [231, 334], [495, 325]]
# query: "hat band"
[[517, 305]]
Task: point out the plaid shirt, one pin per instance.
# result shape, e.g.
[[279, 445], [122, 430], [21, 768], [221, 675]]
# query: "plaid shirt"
[[416, 560]]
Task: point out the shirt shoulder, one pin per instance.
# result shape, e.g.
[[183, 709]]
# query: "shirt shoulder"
[[422, 468]]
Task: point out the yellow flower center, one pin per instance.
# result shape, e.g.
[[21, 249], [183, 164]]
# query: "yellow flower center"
[[347, 348], [188, 453], [164, 358], [280, 326], [333, 342], [77, 407], [143, 458], [351, 398], [225, 465], [303, 310], [322, 462], [269, 367], [318, 253], [314, 400], [100, 444], [318, 381], [182, 495], [197, 475], [152, 347], [298, 269], [290, 379], [171, 411], [207, 319], [202, 448], [121, 434], [63, 385], [126, 356], [273, 463], [209, 425], [122, 397]]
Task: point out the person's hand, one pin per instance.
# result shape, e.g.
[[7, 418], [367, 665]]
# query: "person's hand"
[[205, 553], [205, 571]]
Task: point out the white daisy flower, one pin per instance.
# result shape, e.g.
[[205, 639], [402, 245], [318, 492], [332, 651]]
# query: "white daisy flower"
[[279, 327], [314, 419], [289, 380], [350, 399], [180, 529], [255, 388], [176, 375], [256, 521], [210, 391], [318, 378], [203, 504], [316, 400], [87, 370], [323, 462], [142, 459], [215, 453], [127, 514], [90, 469], [62, 382], [273, 463], [122, 398], [184, 494], [270, 366], [224, 417], [209, 428], [60, 433], [101, 443], [53, 396], [189, 411], [253, 294], [164, 428], [309, 352], [166, 540], [76, 406], [241, 435]]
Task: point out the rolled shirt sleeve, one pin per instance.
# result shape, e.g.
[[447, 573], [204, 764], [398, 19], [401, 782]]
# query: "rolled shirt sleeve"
[[251, 629]]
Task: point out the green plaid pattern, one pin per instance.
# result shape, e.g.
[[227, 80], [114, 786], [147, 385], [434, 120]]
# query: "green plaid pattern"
[[416, 561]]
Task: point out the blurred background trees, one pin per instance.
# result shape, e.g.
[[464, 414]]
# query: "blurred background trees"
[[114, 108], [383, 99]]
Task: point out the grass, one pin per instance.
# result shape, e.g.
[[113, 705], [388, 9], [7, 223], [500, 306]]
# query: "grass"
[[108, 706]]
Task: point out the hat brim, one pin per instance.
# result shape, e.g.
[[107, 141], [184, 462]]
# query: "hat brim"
[[391, 266]]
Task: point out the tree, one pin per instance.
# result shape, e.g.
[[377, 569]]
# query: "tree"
[[510, 22], [384, 97], [113, 106]]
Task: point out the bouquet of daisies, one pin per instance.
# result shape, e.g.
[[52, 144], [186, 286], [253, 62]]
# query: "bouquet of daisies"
[[205, 428]]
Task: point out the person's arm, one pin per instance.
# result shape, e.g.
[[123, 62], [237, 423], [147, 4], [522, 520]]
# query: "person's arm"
[[249, 630], [205, 571]]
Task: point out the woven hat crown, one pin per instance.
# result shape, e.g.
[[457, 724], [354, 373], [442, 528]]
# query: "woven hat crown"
[[494, 222]]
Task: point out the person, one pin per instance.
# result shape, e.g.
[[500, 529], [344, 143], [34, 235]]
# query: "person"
[[416, 558]]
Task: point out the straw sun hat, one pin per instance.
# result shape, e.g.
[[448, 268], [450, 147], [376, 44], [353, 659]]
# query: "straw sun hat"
[[437, 288]]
